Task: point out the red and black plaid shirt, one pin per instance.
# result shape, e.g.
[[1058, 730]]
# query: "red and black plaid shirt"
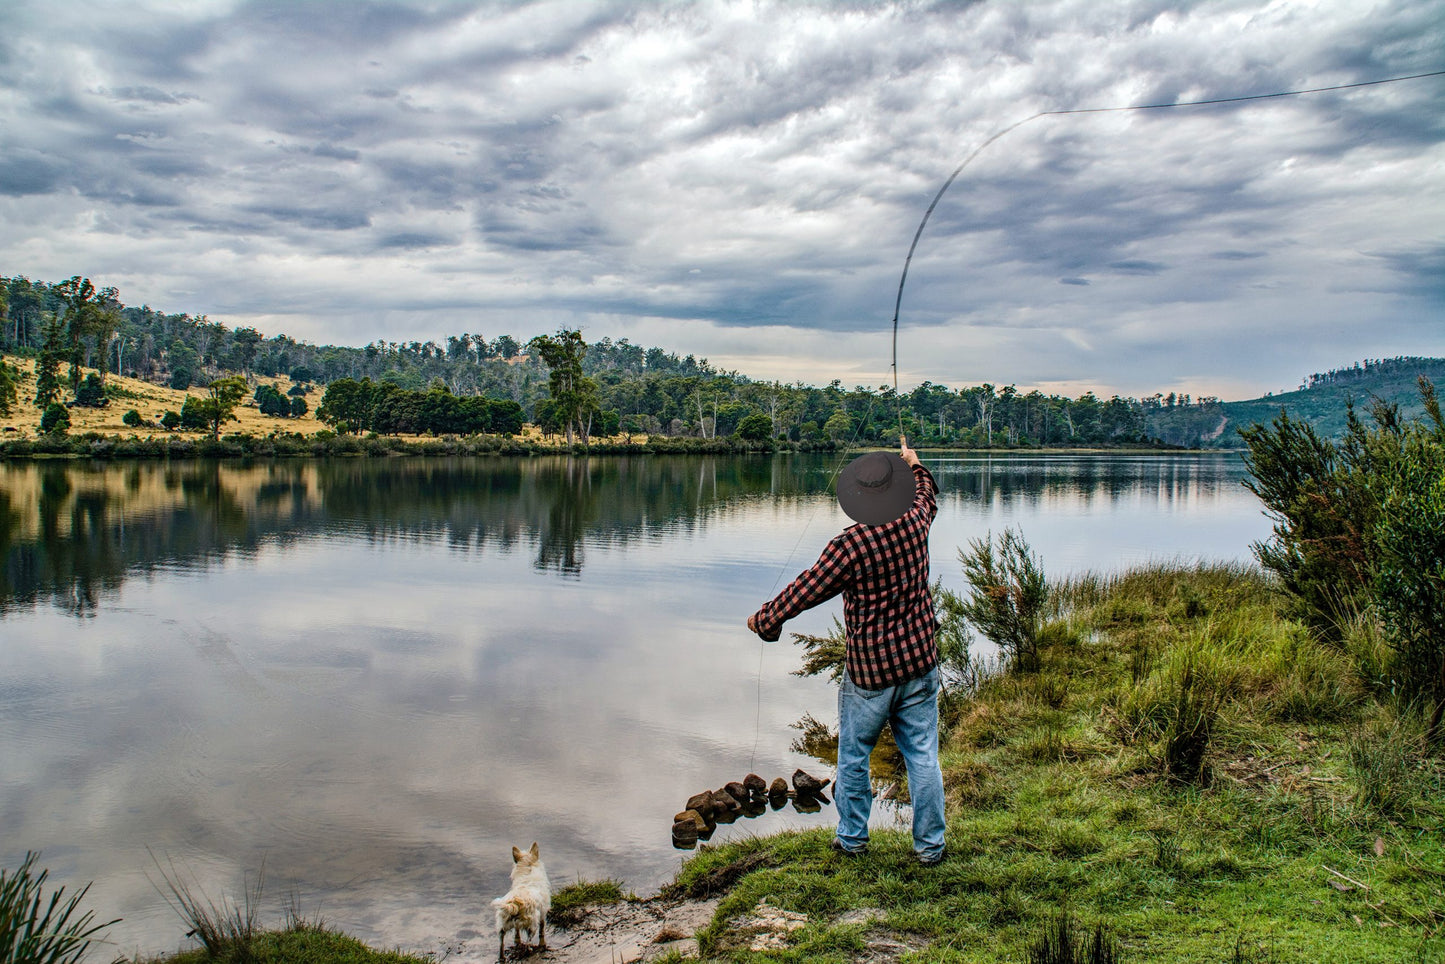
[[882, 572]]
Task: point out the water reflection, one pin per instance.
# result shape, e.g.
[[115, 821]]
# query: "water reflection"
[[71, 534]]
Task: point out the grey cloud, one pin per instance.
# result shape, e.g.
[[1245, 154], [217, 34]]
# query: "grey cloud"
[[414, 240], [316, 218], [1138, 266], [150, 95], [336, 153], [29, 172], [1081, 282]]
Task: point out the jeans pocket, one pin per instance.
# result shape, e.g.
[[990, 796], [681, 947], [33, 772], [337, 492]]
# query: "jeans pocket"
[[853, 689]]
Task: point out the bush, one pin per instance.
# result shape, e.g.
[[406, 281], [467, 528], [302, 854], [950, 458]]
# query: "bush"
[[181, 379], [1007, 596], [36, 931], [91, 392], [132, 418], [171, 420], [1361, 525], [55, 420]]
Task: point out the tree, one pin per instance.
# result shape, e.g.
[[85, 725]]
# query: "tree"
[[573, 393], [757, 427], [9, 385], [47, 369], [1007, 595], [246, 342], [132, 418], [171, 420], [346, 406], [218, 407]]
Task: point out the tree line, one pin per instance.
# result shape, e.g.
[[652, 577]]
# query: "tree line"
[[564, 384]]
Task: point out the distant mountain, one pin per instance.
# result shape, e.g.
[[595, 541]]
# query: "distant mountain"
[[1323, 398]]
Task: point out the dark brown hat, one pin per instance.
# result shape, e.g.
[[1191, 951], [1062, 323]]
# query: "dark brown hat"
[[876, 488]]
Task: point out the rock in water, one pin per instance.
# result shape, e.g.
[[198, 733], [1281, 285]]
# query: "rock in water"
[[737, 791], [724, 802], [702, 803], [692, 817], [778, 790], [808, 785], [755, 785]]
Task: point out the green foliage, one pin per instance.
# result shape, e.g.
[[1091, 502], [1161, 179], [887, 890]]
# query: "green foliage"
[[354, 407], [1007, 592], [132, 418], [180, 379], [574, 395], [9, 387], [171, 420], [271, 402], [55, 420], [91, 392], [1362, 524], [34, 930], [757, 427]]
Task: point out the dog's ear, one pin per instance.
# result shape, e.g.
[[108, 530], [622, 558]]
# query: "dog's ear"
[[516, 855], [535, 852]]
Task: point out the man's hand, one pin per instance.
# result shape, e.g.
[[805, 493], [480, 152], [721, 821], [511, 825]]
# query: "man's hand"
[[753, 622], [909, 456]]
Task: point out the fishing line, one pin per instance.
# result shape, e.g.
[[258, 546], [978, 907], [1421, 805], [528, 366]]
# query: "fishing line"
[[898, 302]]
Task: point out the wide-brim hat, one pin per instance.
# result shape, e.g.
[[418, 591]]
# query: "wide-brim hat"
[[876, 488]]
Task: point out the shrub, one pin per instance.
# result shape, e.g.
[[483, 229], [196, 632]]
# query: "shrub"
[[1007, 596], [132, 418], [171, 420], [55, 420], [36, 931], [91, 393], [181, 379]]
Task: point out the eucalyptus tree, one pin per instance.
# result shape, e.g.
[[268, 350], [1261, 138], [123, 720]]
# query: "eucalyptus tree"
[[574, 394]]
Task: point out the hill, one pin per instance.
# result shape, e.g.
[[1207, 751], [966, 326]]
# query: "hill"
[[1324, 399]]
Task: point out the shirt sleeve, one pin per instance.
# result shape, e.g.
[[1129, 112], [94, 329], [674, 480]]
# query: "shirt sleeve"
[[829, 576]]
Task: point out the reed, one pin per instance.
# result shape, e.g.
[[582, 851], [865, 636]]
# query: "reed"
[[34, 930]]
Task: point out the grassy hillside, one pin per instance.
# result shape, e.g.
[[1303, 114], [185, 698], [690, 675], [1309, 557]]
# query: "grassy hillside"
[[1323, 405]]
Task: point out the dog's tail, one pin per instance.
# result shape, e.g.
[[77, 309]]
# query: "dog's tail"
[[510, 908]]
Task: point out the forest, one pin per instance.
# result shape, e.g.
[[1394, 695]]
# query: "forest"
[[568, 386]]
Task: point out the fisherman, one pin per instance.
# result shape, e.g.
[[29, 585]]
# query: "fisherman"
[[880, 566]]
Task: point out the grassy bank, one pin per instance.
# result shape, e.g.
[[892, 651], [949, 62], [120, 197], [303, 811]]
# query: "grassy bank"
[[1187, 769], [1188, 774]]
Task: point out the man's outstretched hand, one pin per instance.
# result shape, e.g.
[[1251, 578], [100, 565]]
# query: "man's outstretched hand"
[[753, 622], [909, 456]]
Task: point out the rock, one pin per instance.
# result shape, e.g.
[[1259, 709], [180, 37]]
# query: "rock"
[[755, 785], [702, 803], [808, 785], [778, 790], [684, 833], [724, 802], [737, 791], [690, 816]]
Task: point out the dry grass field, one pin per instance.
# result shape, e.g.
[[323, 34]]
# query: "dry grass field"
[[151, 401]]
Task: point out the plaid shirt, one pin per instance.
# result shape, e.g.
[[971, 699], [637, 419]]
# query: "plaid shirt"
[[882, 572]]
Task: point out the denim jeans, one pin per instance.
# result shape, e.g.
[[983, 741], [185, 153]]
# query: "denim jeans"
[[912, 710]]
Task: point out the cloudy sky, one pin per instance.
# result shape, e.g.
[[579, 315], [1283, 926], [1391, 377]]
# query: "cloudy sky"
[[741, 180]]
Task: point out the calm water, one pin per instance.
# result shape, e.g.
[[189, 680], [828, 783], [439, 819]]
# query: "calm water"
[[374, 677]]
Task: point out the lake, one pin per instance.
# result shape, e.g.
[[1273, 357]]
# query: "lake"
[[371, 678]]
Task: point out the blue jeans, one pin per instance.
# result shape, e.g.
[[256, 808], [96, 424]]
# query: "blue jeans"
[[912, 710]]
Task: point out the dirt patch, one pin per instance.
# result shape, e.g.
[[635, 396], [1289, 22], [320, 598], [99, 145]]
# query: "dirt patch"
[[627, 931]]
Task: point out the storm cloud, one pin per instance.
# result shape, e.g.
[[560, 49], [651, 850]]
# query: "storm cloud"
[[742, 180]]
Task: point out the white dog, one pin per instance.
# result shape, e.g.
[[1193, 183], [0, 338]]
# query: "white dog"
[[525, 906]]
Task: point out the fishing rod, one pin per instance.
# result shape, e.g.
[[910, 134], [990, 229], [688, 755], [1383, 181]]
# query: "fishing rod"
[[898, 302]]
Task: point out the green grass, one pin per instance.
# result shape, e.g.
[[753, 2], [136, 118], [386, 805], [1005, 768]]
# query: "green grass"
[[1310, 828]]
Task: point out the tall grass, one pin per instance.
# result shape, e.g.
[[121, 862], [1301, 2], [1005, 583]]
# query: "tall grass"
[[226, 930], [36, 931]]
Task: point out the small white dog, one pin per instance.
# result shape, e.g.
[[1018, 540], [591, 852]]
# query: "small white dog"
[[525, 906]]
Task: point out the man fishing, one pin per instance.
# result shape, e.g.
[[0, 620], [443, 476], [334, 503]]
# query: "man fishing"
[[880, 566]]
